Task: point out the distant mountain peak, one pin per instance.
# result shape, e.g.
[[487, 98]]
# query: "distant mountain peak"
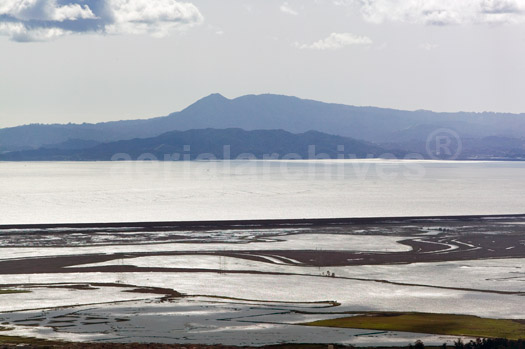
[[211, 101], [215, 96]]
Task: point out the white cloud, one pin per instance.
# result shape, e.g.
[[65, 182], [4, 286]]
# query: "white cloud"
[[439, 12], [40, 20], [71, 12], [44, 10], [215, 29], [157, 17], [18, 32], [336, 41], [285, 8], [428, 46]]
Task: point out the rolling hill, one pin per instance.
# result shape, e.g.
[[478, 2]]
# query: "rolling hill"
[[209, 144]]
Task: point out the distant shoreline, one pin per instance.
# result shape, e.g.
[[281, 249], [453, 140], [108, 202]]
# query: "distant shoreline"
[[262, 159], [264, 223]]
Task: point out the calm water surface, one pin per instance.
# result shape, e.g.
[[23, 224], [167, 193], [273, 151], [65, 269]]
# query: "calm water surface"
[[55, 192]]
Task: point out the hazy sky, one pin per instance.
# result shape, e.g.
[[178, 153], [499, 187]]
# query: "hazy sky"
[[98, 60]]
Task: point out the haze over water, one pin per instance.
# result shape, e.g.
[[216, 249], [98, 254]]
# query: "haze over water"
[[59, 192]]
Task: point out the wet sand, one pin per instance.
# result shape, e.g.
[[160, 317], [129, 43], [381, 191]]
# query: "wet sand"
[[450, 239]]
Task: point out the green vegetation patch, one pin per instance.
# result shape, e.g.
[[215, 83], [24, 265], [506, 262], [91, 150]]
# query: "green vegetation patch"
[[445, 324], [13, 291], [36, 342]]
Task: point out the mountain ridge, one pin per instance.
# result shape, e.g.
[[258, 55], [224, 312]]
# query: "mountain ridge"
[[206, 144], [383, 126]]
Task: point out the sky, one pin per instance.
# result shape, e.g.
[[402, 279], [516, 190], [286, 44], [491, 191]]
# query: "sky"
[[99, 60]]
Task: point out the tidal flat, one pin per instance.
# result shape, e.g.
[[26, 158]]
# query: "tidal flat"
[[259, 283]]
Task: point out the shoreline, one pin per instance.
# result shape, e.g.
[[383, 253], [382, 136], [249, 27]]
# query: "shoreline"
[[265, 223]]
